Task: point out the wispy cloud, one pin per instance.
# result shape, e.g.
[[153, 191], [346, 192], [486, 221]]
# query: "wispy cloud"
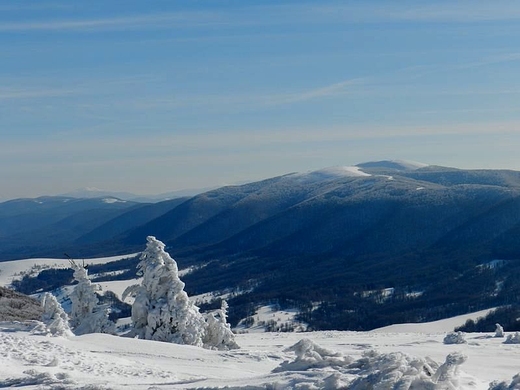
[[339, 88], [55, 85], [461, 11], [155, 21], [23, 93], [239, 101], [37, 6], [491, 60], [416, 72], [440, 11], [287, 14]]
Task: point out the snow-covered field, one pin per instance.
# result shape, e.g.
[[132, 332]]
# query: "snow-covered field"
[[16, 268], [406, 356], [99, 361]]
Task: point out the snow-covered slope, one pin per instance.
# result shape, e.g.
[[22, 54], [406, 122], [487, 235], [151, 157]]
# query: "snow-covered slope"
[[99, 361], [446, 325], [17, 268]]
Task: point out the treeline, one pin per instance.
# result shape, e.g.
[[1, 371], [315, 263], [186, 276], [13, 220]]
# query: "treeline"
[[340, 306], [357, 296], [508, 317]]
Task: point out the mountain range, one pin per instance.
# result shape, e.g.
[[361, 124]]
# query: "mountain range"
[[357, 247], [92, 192]]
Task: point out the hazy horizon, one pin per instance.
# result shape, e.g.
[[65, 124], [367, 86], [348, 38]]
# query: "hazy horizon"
[[150, 98]]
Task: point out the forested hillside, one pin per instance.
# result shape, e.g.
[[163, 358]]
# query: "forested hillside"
[[351, 247]]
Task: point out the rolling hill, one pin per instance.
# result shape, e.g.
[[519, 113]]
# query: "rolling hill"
[[332, 242]]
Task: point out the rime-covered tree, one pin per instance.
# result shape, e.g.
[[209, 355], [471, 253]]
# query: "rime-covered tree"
[[54, 318], [86, 315], [218, 333], [499, 331], [161, 310]]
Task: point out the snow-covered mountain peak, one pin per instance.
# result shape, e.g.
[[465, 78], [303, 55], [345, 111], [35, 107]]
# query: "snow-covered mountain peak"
[[340, 171], [331, 173]]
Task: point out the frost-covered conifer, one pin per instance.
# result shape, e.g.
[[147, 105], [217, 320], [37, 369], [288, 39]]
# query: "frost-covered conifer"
[[499, 332], [54, 317], [218, 333], [86, 315], [161, 310]]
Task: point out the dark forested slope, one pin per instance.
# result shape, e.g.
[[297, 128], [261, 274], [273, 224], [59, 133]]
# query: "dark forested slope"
[[334, 241]]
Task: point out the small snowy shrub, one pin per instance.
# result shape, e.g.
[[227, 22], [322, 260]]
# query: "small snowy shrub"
[[54, 317], [499, 332], [513, 338], [455, 338], [218, 334], [86, 315]]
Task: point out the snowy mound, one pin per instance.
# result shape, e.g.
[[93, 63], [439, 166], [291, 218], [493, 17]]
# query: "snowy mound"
[[399, 165], [321, 360]]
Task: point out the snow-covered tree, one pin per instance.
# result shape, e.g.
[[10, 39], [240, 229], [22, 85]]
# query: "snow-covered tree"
[[218, 333], [86, 315], [499, 332], [161, 310], [54, 317]]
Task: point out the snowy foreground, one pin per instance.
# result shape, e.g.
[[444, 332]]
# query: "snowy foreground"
[[406, 356], [100, 361]]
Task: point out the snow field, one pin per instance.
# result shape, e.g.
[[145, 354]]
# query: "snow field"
[[104, 361], [10, 270]]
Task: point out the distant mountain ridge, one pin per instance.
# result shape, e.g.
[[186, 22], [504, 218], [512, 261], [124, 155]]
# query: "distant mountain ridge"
[[93, 193], [336, 236]]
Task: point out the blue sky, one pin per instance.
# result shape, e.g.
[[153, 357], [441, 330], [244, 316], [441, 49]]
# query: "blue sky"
[[150, 97]]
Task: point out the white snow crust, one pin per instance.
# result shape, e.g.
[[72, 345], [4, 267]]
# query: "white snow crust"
[[330, 174], [313, 360]]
